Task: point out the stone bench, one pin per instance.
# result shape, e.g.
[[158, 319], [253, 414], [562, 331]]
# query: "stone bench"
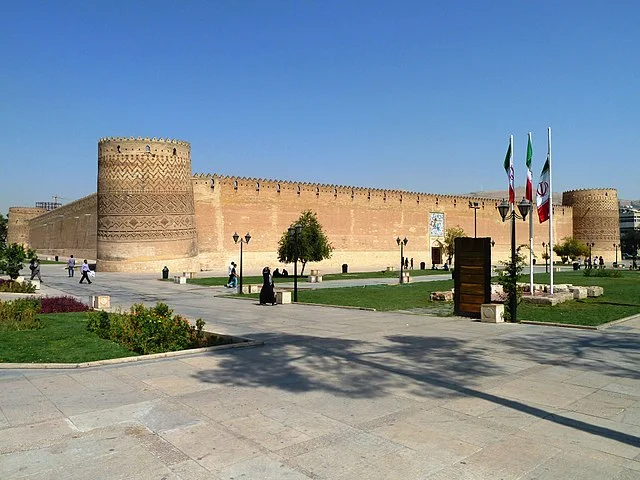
[[189, 274], [446, 296], [594, 291], [180, 280], [578, 292], [390, 269], [405, 278], [551, 300], [314, 278], [252, 288]]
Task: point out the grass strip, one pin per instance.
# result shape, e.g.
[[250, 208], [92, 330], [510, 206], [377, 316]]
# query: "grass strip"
[[63, 338]]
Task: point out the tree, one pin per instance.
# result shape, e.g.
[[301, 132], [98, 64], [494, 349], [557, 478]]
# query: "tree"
[[312, 245], [571, 248], [450, 235], [3, 229], [508, 278], [12, 259]]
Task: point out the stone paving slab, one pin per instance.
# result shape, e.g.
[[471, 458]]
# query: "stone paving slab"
[[333, 394]]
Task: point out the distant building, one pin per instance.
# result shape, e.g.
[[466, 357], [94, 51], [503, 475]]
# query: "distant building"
[[629, 220]]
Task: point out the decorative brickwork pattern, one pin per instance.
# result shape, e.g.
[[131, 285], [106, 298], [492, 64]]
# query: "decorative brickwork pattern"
[[144, 195], [595, 218]]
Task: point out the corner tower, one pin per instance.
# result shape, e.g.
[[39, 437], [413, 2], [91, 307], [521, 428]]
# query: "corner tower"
[[146, 215], [595, 218]]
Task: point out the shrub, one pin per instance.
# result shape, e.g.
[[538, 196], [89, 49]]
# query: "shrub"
[[61, 305], [148, 330], [20, 314], [16, 287]]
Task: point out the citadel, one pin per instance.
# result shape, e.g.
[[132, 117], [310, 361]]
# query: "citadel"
[[150, 210]]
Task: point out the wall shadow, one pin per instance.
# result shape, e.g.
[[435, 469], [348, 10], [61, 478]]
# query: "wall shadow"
[[431, 367]]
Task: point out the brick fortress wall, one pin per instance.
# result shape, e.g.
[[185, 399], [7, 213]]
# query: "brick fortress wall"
[[150, 211], [361, 223], [66, 230]]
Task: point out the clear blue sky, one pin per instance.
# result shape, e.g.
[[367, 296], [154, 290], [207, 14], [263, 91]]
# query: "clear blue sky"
[[413, 95]]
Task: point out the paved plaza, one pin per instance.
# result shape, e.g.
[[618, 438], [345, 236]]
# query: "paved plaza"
[[332, 394]]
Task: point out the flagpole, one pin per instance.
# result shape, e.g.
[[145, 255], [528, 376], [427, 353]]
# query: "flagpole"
[[511, 173], [530, 230], [550, 210]]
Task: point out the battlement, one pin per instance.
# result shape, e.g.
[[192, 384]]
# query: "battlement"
[[237, 182], [144, 140], [592, 190]]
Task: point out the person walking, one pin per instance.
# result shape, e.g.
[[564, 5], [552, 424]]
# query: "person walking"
[[71, 265], [85, 272], [267, 295], [233, 277], [34, 266]]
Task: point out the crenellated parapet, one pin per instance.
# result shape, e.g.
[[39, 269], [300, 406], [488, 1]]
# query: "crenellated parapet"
[[247, 185], [143, 140]]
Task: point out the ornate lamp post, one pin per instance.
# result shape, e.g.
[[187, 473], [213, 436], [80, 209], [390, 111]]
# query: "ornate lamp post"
[[616, 246], [475, 207], [507, 211], [294, 236], [591, 245], [402, 243], [546, 256], [246, 239]]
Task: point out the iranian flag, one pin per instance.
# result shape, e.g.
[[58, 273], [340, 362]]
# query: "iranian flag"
[[529, 190], [543, 194], [508, 167]]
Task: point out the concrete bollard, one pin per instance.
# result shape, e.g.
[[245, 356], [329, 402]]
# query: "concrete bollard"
[[283, 297], [492, 312], [101, 302]]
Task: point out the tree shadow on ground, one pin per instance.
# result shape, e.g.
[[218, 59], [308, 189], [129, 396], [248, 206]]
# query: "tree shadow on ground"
[[605, 352], [421, 366]]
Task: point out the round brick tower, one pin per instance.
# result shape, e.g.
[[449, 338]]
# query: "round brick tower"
[[146, 215], [18, 224], [596, 219]]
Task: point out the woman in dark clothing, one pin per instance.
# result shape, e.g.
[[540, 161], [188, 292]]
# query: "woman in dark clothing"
[[267, 294]]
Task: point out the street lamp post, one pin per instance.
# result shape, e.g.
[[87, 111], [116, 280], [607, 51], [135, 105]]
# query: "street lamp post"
[[246, 239], [590, 245], [616, 246], [507, 211], [546, 256], [475, 207], [294, 236], [402, 243]]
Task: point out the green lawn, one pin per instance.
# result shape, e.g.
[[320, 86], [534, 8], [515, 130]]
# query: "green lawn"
[[379, 297], [621, 299], [246, 280], [63, 339]]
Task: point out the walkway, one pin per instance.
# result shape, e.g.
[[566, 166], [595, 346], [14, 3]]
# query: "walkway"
[[333, 394]]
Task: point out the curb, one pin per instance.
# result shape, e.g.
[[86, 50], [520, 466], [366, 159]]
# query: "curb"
[[554, 324], [139, 358]]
